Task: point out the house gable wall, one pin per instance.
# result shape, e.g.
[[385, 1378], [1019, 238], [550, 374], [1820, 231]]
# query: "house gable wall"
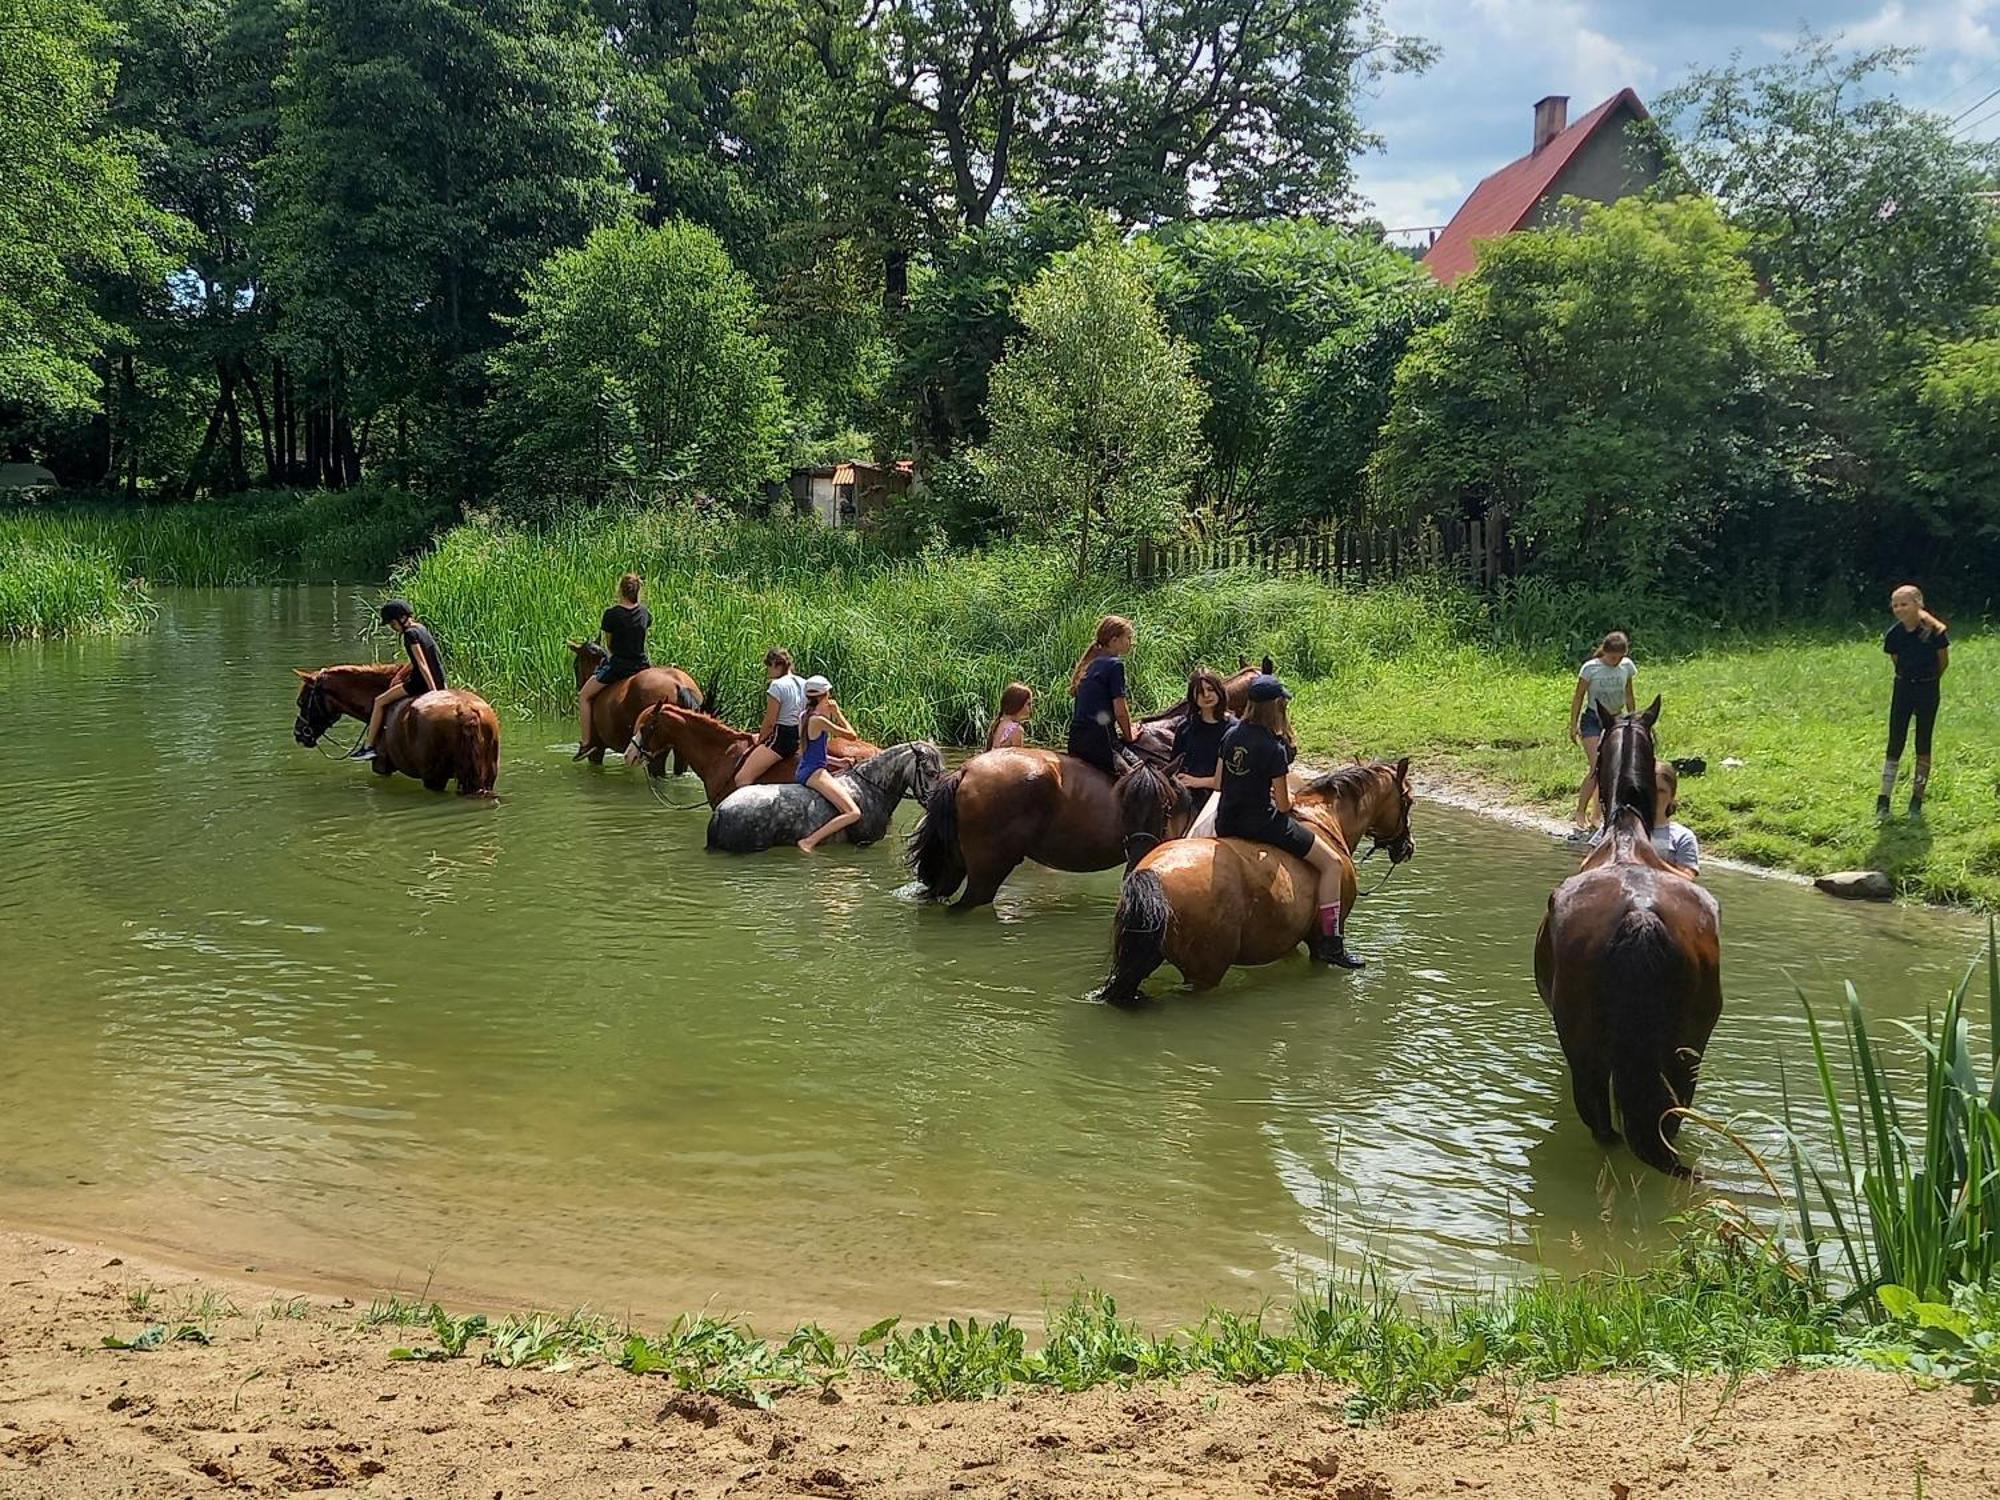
[[1616, 162]]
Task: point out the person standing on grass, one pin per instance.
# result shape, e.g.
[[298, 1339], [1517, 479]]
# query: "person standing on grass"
[[1603, 692], [1921, 649], [1009, 730], [1101, 722], [778, 735], [1198, 740], [624, 627], [426, 673], [822, 717]]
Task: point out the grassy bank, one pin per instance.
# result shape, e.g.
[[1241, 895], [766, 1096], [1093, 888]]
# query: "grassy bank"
[[81, 567], [922, 648]]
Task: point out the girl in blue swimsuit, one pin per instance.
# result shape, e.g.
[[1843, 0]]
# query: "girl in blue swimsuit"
[[821, 717]]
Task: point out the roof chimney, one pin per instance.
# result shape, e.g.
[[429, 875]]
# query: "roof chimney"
[[1551, 116]]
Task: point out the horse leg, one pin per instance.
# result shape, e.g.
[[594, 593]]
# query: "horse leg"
[[596, 756], [1590, 1086], [982, 883], [436, 783]]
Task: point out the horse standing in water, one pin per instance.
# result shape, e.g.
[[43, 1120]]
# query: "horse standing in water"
[[713, 750], [441, 736], [615, 710], [1206, 904], [757, 817], [1629, 962]]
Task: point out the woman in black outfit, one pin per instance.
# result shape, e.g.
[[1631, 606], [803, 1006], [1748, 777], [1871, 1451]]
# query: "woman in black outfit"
[[1921, 648], [624, 625], [1198, 741]]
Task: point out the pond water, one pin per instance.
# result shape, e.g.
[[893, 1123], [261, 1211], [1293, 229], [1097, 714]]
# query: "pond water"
[[261, 1009]]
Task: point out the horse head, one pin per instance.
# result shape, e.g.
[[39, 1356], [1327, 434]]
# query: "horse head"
[[1626, 761], [1153, 807], [651, 736], [1379, 798], [589, 656], [316, 713]]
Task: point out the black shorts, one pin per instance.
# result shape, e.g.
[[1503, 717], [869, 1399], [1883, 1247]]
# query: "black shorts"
[[785, 740], [1092, 742], [1280, 830], [413, 686], [611, 672]]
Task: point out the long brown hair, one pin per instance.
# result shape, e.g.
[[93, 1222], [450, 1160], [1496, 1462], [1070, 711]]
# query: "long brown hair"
[[1206, 677], [1012, 701], [1109, 629], [628, 588], [1270, 712]]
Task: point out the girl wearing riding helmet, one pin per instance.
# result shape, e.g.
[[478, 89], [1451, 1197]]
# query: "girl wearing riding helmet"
[[822, 717], [1255, 803], [1101, 720], [1605, 679], [778, 735], [1921, 648], [1198, 741], [1009, 730], [624, 628]]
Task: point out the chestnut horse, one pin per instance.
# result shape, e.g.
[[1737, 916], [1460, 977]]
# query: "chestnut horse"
[[435, 738], [616, 709], [1629, 962], [1205, 904], [713, 750]]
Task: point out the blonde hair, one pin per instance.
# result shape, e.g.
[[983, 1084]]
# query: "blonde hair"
[[628, 587], [1272, 714], [1667, 786], [1109, 629], [1930, 624]]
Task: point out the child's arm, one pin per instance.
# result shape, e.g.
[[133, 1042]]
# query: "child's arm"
[[1213, 781], [1631, 698], [1281, 791], [1575, 708], [769, 728], [420, 666], [832, 715], [1118, 707], [1944, 659]]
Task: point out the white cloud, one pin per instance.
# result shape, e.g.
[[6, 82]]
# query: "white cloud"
[[1953, 26]]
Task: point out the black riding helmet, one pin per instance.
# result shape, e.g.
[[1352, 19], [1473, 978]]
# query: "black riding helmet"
[[395, 611]]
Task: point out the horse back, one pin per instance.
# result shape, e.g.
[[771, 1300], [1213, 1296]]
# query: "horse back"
[[1233, 901], [1063, 812]]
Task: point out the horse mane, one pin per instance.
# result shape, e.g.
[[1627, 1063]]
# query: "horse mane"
[[1350, 781], [1632, 783]]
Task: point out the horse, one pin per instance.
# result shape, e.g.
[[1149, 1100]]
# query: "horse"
[[713, 750], [434, 738], [617, 707], [1629, 962], [1004, 806], [1206, 904], [756, 817]]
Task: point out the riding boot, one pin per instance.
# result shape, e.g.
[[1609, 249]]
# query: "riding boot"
[[1331, 948]]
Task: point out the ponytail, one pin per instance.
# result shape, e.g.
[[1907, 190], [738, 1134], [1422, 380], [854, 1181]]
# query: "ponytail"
[[1109, 629], [1090, 654]]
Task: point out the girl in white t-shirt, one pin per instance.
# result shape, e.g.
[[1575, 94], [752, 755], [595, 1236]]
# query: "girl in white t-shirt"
[[1603, 692], [778, 735]]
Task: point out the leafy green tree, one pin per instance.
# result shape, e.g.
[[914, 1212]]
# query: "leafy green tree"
[[636, 369], [1095, 413], [1614, 390], [71, 211], [1954, 441]]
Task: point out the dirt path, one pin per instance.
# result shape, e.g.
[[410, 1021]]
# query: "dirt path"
[[293, 1396]]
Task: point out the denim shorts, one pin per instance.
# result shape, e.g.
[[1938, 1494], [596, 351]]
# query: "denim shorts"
[[1591, 726]]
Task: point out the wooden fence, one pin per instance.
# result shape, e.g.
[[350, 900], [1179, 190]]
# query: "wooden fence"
[[1481, 552]]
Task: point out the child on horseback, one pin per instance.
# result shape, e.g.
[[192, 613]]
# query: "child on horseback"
[[426, 673], [1605, 679], [1101, 721], [1009, 730], [778, 735], [624, 628], [1921, 648], [1255, 803], [1198, 741], [822, 717]]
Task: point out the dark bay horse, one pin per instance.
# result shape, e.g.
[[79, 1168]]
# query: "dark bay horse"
[[713, 750], [439, 737], [616, 709], [1629, 963], [1204, 904]]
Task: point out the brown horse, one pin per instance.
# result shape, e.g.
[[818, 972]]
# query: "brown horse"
[[615, 710], [1204, 905], [1629, 962], [1005, 806], [435, 738], [713, 750]]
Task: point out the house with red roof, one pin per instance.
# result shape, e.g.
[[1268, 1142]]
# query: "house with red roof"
[[1603, 157]]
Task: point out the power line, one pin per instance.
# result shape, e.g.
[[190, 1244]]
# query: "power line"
[[1975, 104], [1950, 94], [1965, 134]]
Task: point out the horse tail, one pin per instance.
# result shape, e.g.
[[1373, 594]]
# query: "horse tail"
[[933, 851], [479, 754], [1138, 937], [1640, 974]]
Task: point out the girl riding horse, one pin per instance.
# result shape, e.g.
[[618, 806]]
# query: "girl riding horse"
[[624, 628]]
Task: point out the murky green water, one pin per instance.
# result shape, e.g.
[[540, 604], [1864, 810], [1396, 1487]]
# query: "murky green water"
[[270, 1010]]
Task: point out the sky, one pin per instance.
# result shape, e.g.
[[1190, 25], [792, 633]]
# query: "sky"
[[1470, 113]]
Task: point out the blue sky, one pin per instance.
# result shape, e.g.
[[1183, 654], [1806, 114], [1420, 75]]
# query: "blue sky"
[[1445, 129]]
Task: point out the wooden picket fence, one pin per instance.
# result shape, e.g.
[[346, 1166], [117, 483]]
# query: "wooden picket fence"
[[1480, 552]]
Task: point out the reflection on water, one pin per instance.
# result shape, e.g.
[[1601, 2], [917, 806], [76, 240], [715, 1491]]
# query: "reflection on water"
[[274, 1010]]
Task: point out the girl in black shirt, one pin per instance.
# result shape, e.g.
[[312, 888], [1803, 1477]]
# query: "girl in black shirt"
[[1198, 741], [426, 674], [624, 627], [1921, 648]]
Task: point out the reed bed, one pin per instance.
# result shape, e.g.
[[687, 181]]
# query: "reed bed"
[[53, 585]]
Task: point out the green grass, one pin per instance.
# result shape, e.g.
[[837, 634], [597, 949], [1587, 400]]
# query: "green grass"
[[52, 585]]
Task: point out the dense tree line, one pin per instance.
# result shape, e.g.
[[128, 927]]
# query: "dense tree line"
[[1093, 263]]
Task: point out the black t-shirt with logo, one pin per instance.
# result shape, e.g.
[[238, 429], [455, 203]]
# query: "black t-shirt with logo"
[[626, 625], [418, 641], [1252, 758], [1198, 743], [1916, 652]]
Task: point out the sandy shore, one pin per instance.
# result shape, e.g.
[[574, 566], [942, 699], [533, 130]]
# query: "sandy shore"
[[293, 1395]]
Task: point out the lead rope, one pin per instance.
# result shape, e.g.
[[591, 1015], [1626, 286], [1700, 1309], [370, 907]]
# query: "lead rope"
[[1387, 875]]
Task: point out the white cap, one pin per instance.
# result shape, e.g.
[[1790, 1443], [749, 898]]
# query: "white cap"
[[817, 687]]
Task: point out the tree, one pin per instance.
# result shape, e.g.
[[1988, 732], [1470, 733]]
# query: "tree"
[[636, 368], [71, 212], [1953, 438], [430, 153], [1095, 411], [1616, 390]]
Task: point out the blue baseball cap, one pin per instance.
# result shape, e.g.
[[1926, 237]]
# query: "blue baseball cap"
[[1264, 688]]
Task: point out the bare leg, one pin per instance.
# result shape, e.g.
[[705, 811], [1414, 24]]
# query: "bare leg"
[[1330, 943], [1586, 793], [755, 764], [584, 735], [375, 716], [846, 812]]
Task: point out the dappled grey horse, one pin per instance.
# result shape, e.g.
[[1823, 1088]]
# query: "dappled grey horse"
[[757, 817]]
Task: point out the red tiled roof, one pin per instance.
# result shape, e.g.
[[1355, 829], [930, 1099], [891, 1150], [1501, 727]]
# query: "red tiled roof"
[[1502, 201]]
